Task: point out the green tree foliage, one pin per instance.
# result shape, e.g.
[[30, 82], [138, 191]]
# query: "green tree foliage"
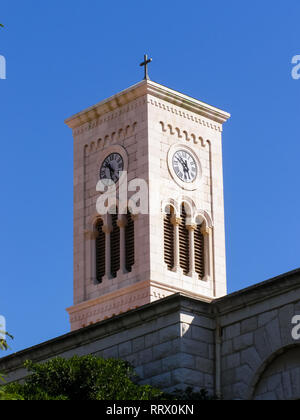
[[3, 341], [82, 378], [89, 378], [190, 395], [4, 394]]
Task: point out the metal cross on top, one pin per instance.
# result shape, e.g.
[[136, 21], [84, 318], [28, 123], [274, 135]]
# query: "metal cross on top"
[[145, 64]]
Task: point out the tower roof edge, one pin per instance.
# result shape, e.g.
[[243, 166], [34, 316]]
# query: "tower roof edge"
[[143, 88]]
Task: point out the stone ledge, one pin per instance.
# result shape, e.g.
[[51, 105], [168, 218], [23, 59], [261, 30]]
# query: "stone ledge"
[[166, 313], [257, 293], [87, 335], [143, 88]]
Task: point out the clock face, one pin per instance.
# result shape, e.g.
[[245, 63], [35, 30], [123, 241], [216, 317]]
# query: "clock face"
[[111, 167], [185, 166]]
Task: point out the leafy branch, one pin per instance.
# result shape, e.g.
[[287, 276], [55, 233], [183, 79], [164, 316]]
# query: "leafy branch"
[[3, 342], [5, 396]]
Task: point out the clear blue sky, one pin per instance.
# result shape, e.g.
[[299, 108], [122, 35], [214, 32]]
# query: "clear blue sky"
[[63, 56]]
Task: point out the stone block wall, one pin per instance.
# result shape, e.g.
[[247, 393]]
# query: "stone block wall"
[[256, 330], [240, 346], [170, 343]]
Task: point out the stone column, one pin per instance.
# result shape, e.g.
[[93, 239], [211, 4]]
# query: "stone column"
[[208, 251], [191, 228], [122, 223], [176, 222]]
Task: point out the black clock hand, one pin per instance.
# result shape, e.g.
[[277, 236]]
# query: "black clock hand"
[[188, 169], [184, 164], [181, 161], [185, 169], [110, 168], [113, 172], [108, 165]]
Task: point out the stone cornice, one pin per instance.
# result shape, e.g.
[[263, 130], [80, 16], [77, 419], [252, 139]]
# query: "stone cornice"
[[107, 297], [143, 88], [107, 105], [260, 292], [227, 304], [89, 334], [180, 303], [179, 291], [186, 102]]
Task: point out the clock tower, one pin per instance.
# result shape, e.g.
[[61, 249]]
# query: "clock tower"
[[164, 149]]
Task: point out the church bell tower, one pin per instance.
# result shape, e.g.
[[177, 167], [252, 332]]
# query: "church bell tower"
[[163, 148]]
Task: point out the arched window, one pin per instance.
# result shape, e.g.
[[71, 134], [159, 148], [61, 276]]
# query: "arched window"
[[100, 251], [169, 239], [184, 246], [199, 252], [129, 242], [115, 245]]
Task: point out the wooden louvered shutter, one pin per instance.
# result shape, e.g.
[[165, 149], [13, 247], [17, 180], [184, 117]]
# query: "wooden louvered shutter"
[[115, 246], [184, 247], [169, 240], [100, 251], [199, 253], [129, 242]]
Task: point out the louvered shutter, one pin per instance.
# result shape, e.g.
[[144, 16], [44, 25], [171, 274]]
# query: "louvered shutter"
[[115, 246], [184, 247], [169, 241], [100, 251], [129, 242], [199, 252]]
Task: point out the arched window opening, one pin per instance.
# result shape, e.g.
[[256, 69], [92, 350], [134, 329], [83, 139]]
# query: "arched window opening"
[[115, 245], [100, 251], [129, 242], [184, 246], [199, 252], [169, 239]]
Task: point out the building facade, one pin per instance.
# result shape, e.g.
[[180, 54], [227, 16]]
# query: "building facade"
[[150, 274], [168, 147], [240, 346]]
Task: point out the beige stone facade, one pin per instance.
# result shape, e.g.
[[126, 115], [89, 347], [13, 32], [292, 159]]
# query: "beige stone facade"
[[176, 329], [145, 124]]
